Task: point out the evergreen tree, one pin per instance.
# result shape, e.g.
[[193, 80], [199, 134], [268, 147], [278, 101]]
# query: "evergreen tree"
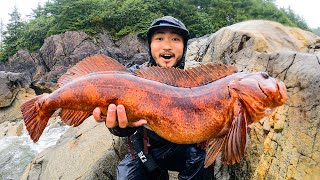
[[12, 34], [37, 12], [316, 31], [1, 33], [296, 19], [121, 17], [76, 15]]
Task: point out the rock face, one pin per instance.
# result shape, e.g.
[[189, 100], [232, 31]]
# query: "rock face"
[[284, 146], [14, 90], [12, 113], [11, 83], [62, 51]]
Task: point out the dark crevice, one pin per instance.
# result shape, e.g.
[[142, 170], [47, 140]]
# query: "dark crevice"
[[309, 106], [38, 90], [63, 46], [43, 63], [285, 71], [271, 57], [244, 39], [314, 141], [77, 46], [108, 174], [114, 147], [227, 54], [202, 52]]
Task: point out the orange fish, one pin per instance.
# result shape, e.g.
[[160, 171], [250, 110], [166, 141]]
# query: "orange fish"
[[212, 103]]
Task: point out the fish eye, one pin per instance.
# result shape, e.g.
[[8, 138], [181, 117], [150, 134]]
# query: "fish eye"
[[265, 75]]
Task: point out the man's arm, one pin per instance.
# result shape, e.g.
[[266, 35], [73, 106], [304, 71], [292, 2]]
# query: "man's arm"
[[117, 121]]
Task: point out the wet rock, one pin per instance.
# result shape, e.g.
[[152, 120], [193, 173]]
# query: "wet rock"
[[131, 45], [15, 129], [22, 62], [12, 113], [11, 83]]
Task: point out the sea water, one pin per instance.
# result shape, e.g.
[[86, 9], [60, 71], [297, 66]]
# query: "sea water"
[[16, 152]]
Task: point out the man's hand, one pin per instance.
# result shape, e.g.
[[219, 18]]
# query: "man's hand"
[[116, 115]]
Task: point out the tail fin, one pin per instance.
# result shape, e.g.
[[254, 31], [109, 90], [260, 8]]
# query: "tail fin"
[[34, 117]]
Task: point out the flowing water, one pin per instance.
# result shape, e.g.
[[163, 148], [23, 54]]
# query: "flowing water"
[[16, 152]]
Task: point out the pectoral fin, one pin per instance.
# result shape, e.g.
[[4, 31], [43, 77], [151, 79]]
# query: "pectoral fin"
[[236, 141], [213, 149]]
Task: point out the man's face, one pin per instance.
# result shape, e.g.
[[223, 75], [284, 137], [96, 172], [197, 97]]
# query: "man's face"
[[166, 47]]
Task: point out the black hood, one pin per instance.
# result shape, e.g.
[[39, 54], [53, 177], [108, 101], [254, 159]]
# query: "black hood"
[[173, 23]]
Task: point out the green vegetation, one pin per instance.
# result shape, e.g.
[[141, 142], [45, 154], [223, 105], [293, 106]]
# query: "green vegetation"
[[121, 17], [316, 31], [1, 32], [10, 43]]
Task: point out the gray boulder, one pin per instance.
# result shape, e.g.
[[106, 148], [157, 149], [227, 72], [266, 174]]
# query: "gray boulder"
[[12, 112], [11, 83]]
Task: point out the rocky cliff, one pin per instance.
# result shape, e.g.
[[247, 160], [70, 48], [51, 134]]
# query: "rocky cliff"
[[286, 145], [283, 146]]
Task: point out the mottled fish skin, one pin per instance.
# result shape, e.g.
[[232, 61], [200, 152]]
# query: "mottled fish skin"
[[180, 115], [216, 109]]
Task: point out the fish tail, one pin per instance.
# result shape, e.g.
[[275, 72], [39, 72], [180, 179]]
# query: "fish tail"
[[35, 118]]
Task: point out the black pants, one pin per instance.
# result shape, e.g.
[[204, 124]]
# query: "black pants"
[[187, 159]]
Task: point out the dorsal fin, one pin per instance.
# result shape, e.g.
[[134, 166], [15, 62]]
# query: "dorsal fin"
[[192, 77], [92, 64]]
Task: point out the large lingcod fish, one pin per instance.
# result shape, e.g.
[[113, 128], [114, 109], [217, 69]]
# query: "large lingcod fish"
[[212, 103]]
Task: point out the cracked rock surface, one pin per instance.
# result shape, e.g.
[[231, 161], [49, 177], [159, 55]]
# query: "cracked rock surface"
[[285, 145]]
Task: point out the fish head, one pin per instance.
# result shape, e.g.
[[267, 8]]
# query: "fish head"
[[259, 93]]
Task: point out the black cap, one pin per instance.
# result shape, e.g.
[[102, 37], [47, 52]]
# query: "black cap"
[[168, 22], [171, 23]]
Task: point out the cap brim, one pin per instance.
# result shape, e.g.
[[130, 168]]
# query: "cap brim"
[[179, 30]]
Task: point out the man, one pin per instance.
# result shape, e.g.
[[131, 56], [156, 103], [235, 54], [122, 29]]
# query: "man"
[[167, 43]]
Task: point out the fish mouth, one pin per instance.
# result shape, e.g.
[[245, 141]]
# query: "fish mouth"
[[259, 94], [255, 106], [278, 97], [263, 91], [283, 93]]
